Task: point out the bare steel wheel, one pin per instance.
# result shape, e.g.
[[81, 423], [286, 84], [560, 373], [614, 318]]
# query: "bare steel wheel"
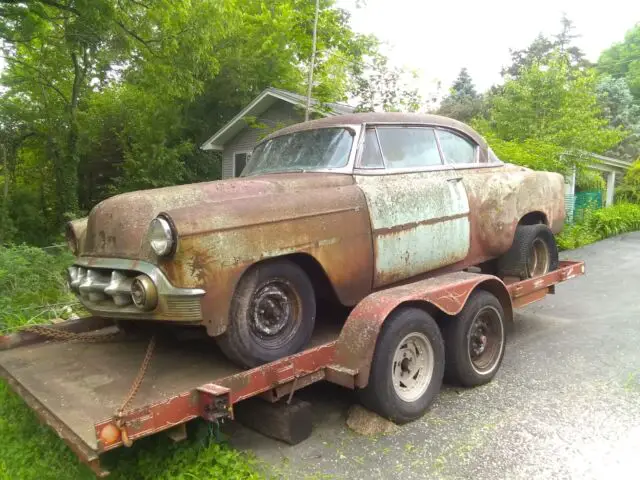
[[486, 340], [412, 367], [475, 341], [272, 314], [533, 253], [407, 367], [539, 258]]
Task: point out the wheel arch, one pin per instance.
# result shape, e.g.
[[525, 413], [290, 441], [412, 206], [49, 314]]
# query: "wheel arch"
[[534, 217]]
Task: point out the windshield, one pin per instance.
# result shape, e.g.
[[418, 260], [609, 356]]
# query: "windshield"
[[302, 151]]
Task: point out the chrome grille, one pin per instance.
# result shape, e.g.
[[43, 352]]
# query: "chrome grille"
[[98, 285]]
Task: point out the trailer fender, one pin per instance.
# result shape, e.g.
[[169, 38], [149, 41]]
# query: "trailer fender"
[[448, 293]]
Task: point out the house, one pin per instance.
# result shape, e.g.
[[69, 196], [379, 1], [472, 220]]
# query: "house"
[[612, 169], [271, 110]]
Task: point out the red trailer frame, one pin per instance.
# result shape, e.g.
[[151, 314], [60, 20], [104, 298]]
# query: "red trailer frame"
[[343, 357]]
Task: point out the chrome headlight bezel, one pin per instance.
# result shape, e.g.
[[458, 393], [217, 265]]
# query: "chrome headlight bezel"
[[162, 237]]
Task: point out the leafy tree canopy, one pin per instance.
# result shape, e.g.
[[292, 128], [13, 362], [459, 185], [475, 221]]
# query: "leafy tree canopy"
[[622, 60], [551, 109], [105, 96]]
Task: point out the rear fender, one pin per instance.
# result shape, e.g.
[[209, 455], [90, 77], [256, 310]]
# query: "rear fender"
[[447, 293]]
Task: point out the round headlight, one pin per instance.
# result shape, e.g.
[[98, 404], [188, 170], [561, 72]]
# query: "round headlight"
[[161, 236]]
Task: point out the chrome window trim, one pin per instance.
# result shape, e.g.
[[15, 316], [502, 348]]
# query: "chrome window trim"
[[467, 166], [363, 135], [152, 271], [398, 171]]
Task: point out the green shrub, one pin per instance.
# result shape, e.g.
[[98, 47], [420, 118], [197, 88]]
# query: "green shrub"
[[32, 285], [600, 224], [629, 190]]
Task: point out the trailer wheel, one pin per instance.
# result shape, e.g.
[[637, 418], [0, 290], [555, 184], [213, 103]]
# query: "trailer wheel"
[[475, 341], [534, 252], [407, 368], [272, 314]]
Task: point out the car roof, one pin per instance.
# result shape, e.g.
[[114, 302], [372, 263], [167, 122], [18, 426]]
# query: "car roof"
[[383, 117]]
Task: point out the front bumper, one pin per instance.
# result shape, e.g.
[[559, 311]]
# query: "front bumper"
[[103, 286]]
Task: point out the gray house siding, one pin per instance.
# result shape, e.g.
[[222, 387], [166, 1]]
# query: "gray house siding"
[[277, 116]]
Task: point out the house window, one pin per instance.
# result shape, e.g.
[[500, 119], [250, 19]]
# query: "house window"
[[239, 162]]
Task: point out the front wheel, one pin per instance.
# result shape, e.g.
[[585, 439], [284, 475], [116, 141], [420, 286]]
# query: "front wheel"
[[407, 368], [533, 253], [272, 314]]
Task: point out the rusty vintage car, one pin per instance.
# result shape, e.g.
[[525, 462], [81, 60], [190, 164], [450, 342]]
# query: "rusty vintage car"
[[330, 209]]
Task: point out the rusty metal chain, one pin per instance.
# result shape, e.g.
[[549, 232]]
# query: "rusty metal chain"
[[64, 336], [139, 378]]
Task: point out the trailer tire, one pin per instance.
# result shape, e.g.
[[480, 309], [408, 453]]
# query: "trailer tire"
[[409, 348], [533, 253], [272, 314], [475, 341]]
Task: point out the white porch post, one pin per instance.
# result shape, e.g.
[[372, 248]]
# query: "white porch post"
[[611, 185]]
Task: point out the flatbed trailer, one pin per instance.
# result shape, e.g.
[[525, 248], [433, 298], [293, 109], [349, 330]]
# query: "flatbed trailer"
[[77, 388]]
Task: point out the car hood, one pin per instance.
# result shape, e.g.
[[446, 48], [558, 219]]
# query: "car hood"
[[117, 227]]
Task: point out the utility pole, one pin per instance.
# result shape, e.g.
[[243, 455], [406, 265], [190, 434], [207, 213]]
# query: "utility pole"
[[313, 61]]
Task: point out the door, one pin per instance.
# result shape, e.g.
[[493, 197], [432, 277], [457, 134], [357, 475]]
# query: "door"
[[418, 206]]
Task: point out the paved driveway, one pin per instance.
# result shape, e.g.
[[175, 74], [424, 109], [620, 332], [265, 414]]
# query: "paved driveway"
[[566, 403]]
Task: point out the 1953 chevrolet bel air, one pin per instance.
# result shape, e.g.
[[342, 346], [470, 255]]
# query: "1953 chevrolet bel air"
[[329, 209]]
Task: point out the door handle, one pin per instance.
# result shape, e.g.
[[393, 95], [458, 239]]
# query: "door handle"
[[454, 179]]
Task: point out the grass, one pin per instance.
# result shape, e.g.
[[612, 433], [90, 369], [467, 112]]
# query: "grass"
[[32, 451], [32, 290]]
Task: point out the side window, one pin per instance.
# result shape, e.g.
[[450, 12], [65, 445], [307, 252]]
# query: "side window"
[[409, 147], [371, 156], [455, 148]]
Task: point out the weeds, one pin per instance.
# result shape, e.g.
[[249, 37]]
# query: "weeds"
[[33, 290]]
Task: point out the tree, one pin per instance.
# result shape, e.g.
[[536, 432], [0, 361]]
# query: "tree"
[[616, 100], [104, 96], [381, 87], [555, 109], [463, 102], [541, 51], [622, 60]]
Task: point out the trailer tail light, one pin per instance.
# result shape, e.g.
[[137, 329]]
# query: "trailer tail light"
[[109, 435]]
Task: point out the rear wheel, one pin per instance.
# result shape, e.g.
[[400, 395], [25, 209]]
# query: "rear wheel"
[[272, 314], [475, 341], [407, 368], [533, 253]]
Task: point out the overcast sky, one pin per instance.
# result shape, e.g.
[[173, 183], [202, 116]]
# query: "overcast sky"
[[437, 38]]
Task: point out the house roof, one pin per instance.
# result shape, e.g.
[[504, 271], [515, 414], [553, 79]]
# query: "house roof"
[[260, 104]]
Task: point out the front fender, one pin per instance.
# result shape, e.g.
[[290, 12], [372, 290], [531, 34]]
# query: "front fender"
[[216, 245]]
